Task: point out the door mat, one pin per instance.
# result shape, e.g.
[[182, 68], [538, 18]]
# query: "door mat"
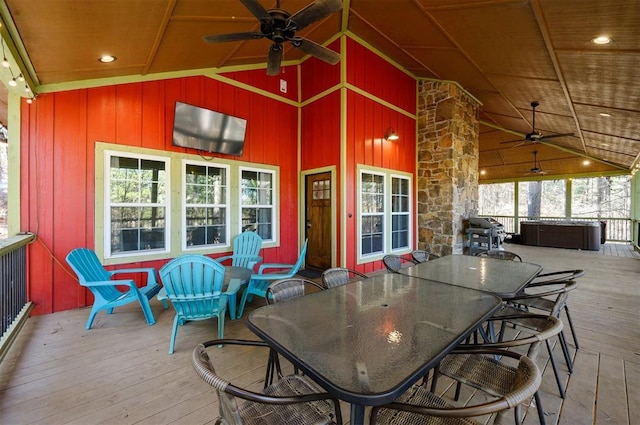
[[310, 273]]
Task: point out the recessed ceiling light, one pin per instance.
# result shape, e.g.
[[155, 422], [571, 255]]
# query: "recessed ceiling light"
[[603, 39], [107, 59], [586, 162], [483, 172], [604, 114]]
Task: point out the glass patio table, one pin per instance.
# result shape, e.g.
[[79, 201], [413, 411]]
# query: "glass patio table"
[[366, 342], [500, 277]]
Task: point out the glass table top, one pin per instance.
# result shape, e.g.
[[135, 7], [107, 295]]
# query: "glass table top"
[[367, 341], [500, 277]]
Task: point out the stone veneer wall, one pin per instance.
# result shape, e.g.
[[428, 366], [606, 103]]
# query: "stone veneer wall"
[[448, 132]]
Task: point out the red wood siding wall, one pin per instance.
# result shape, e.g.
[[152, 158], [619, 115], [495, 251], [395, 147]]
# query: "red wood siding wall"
[[59, 132], [376, 76], [367, 121], [259, 79], [318, 76]]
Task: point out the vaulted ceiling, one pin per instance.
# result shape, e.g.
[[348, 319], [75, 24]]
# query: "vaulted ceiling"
[[506, 53]]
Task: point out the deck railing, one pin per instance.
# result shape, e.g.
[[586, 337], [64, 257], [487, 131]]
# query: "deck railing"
[[14, 305], [617, 229]]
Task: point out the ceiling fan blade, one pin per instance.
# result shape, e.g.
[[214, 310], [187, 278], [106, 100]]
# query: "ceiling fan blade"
[[258, 10], [236, 36], [316, 50], [522, 143], [552, 136], [313, 12], [275, 59], [513, 141]]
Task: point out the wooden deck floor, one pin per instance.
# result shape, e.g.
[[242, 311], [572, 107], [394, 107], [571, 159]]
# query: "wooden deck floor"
[[119, 372]]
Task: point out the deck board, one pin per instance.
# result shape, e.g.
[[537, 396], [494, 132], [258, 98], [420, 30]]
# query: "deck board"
[[579, 406], [612, 395], [119, 371]]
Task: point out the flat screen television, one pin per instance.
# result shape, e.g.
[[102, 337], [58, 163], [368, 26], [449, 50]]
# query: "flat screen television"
[[207, 130]]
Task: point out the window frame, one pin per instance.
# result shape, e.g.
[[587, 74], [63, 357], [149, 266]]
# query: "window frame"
[[107, 223], [227, 204], [401, 213], [388, 214], [174, 202], [274, 200]]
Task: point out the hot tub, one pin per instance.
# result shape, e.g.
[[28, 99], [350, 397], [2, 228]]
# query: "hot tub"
[[561, 234]]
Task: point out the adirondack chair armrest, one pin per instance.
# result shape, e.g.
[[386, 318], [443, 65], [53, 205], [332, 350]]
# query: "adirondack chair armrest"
[[224, 258], [252, 259], [150, 271], [264, 267], [234, 287], [130, 283]]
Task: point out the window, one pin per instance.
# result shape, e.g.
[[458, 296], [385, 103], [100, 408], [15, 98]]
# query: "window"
[[137, 204], [385, 213], [400, 198], [206, 205], [257, 203], [372, 213], [141, 193]]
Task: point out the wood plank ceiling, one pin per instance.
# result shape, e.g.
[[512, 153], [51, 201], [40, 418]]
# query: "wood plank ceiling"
[[507, 53]]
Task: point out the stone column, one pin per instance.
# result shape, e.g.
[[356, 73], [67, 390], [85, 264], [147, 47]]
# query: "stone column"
[[448, 132]]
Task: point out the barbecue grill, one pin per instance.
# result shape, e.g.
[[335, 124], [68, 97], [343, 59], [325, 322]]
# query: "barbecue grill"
[[484, 234]]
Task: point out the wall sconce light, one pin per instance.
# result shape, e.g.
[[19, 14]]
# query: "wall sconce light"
[[391, 135]]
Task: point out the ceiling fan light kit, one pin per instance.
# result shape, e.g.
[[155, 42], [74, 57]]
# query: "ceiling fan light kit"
[[280, 26]]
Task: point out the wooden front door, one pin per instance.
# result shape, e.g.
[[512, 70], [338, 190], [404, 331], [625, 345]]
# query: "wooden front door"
[[318, 220]]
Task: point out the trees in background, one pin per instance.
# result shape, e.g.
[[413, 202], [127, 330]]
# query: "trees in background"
[[593, 197]]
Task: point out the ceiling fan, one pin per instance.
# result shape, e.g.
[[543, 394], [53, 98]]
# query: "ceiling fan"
[[537, 167], [535, 136], [279, 26]]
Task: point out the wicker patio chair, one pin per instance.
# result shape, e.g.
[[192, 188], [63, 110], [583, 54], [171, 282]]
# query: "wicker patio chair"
[[294, 399], [420, 256], [501, 255], [487, 373], [547, 285], [286, 289], [277, 292], [393, 263], [418, 406], [337, 276], [551, 297]]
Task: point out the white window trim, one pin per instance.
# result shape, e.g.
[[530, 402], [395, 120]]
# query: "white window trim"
[[275, 215], [183, 198], [173, 201], [407, 213], [387, 221], [108, 154]]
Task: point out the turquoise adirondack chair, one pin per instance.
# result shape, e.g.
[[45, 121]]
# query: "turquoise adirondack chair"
[[260, 281], [106, 294], [246, 247], [193, 284]]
